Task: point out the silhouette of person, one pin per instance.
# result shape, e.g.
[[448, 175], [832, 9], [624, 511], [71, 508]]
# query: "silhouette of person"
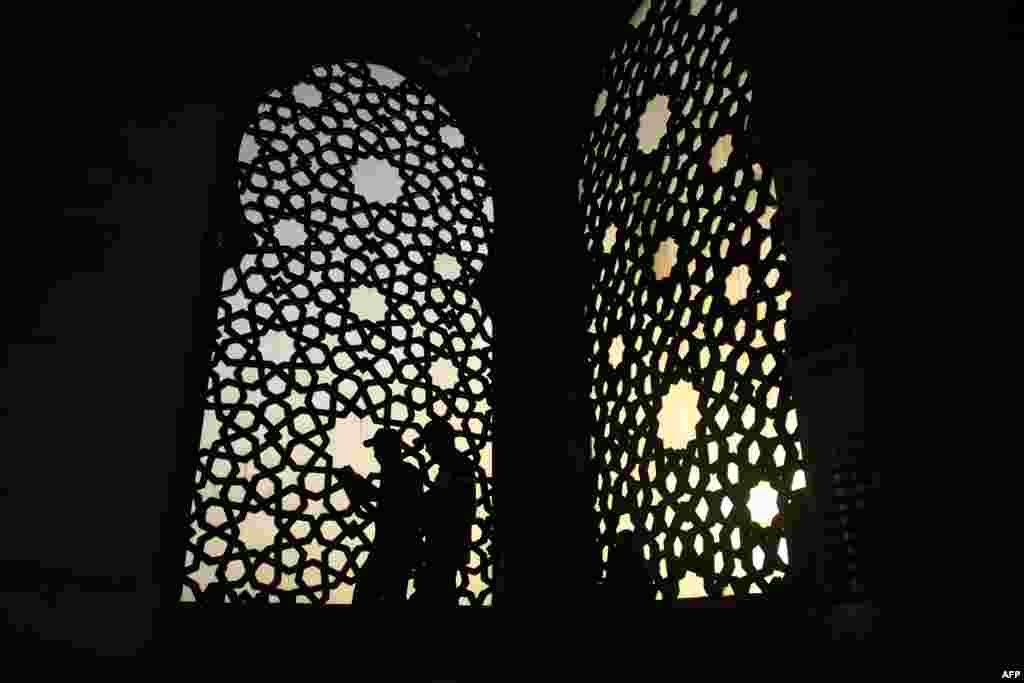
[[629, 582], [448, 517], [394, 509], [798, 523]]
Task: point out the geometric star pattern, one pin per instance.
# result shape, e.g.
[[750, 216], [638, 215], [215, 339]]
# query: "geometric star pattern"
[[687, 348]]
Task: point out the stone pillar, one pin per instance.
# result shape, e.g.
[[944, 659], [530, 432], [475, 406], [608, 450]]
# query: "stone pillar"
[[92, 424]]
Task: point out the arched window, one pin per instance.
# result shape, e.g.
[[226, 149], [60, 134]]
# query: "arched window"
[[695, 432], [372, 215]]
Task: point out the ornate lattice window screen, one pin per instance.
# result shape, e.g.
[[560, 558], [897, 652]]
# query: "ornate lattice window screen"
[[695, 437], [372, 214]]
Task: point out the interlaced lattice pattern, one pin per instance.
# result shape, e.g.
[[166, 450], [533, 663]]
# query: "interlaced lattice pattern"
[[372, 215], [695, 433]]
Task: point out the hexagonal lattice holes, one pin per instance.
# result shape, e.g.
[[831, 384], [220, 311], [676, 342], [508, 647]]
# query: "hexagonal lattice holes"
[[696, 432], [372, 215]]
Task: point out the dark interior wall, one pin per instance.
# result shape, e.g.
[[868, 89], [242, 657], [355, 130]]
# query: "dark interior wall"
[[93, 390]]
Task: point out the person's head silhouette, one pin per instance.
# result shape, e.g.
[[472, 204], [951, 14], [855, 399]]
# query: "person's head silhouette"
[[439, 439], [387, 446], [437, 435], [628, 576]]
